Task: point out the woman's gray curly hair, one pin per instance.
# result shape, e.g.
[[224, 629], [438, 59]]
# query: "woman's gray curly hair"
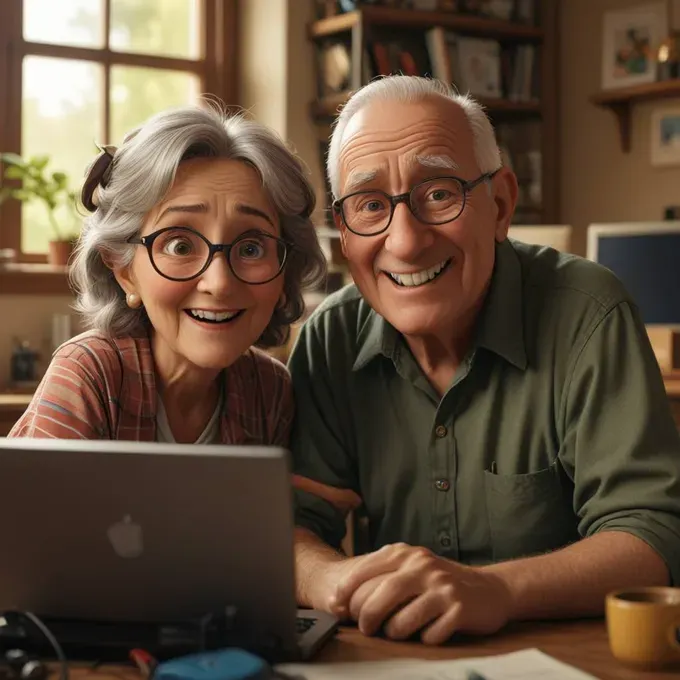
[[141, 173]]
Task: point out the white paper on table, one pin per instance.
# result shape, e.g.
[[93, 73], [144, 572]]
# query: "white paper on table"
[[527, 664]]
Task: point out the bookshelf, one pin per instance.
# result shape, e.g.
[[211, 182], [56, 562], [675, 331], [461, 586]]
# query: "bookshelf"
[[526, 119]]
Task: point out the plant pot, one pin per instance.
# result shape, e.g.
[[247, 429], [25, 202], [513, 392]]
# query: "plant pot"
[[59, 252]]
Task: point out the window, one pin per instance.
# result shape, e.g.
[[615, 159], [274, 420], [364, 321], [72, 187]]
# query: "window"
[[74, 73]]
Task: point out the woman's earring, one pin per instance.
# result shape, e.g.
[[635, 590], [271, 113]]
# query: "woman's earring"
[[133, 301]]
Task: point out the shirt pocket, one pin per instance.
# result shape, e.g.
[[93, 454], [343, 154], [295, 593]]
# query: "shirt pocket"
[[529, 513]]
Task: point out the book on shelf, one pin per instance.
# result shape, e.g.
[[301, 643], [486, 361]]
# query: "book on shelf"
[[483, 67]]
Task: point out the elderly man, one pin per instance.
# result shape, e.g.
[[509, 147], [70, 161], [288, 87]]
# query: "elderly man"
[[494, 410]]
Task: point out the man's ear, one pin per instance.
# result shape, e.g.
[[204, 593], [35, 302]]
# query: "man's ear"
[[505, 197]]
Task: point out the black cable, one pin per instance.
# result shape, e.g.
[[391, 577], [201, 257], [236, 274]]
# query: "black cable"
[[61, 657]]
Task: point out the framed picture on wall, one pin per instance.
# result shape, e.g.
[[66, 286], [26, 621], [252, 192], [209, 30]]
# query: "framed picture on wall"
[[665, 141], [630, 40]]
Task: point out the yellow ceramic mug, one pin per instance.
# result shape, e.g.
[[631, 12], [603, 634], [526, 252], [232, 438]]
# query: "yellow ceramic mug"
[[643, 625]]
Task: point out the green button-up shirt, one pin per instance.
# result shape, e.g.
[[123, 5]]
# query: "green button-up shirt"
[[555, 427]]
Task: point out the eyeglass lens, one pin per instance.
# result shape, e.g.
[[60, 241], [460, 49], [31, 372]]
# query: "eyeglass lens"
[[435, 202], [182, 254]]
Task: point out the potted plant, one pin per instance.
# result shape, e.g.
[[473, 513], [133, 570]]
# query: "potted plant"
[[52, 190]]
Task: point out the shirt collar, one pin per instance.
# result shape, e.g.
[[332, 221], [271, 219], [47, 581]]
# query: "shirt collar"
[[501, 325], [375, 337]]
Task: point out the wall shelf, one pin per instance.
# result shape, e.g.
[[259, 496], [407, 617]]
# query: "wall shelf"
[[34, 279], [409, 18], [621, 102]]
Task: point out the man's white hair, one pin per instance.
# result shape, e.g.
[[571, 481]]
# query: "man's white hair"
[[408, 90]]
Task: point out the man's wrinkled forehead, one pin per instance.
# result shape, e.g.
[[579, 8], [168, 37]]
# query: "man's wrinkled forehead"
[[357, 178], [433, 134]]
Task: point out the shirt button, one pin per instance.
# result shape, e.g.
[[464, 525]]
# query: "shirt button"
[[442, 485], [445, 540], [440, 431]]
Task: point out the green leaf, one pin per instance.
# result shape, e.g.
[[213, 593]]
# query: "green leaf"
[[39, 162], [60, 179], [22, 195], [14, 172], [12, 159]]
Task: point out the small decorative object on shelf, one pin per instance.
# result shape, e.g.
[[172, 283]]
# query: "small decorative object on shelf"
[[671, 212], [631, 37], [23, 366], [668, 59], [7, 255]]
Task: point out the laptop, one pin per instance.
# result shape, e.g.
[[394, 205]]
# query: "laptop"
[[125, 540]]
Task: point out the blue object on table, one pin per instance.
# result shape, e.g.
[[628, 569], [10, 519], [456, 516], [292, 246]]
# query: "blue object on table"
[[223, 664]]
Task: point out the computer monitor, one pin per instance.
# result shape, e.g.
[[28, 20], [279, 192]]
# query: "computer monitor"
[[645, 256], [557, 236]]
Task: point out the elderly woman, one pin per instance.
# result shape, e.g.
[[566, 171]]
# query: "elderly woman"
[[196, 252]]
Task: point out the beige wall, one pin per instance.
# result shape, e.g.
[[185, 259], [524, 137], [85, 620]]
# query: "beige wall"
[[599, 183], [277, 74], [262, 60]]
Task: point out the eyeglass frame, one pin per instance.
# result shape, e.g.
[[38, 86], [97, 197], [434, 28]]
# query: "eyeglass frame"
[[466, 185], [213, 248]]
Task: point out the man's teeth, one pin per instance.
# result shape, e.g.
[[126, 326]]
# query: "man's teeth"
[[418, 278], [212, 316]]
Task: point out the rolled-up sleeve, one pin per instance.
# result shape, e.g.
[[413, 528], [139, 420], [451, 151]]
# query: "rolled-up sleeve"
[[621, 445], [324, 468]]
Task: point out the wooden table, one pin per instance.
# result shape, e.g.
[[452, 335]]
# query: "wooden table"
[[582, 644]]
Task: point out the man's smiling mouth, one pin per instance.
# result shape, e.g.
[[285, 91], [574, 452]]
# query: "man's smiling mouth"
[[416, 279], [213, 317]]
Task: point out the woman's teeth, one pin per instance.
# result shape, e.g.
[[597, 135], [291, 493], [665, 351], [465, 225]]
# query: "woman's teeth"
[[419, 278], [212, 317]]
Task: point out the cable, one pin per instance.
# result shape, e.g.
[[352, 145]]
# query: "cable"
[[61, 657]]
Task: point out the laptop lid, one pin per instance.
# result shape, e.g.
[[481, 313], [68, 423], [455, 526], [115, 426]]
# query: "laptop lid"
[[146, 532]]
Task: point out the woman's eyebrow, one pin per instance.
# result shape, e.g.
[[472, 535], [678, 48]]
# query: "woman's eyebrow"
[[203, 208], [193, 208], [250, 210]]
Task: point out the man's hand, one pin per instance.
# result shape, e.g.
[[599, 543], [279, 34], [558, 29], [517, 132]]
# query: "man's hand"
[[407, 589]]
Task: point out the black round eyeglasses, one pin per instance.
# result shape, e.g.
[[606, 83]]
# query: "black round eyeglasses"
[[437, 200], [182, 254]]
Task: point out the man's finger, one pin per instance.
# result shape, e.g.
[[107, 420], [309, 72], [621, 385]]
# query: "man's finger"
[[390, 595], [366, 568], [415, 615], [362, 593], [444, 627]]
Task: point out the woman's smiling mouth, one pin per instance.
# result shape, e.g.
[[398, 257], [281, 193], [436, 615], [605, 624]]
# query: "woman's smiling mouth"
[[214, 316]]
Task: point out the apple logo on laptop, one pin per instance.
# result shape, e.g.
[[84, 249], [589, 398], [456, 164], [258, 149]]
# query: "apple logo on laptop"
[[126, 538]]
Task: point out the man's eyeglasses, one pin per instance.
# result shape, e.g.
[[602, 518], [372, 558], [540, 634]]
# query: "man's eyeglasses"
[[435, 201], [182, 254]]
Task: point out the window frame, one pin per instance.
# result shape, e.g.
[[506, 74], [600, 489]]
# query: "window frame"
[[217, 69]]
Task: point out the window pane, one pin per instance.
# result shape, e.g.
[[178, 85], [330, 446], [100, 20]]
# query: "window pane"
[[61, 117], [137, 93], [78, 23], [168, 28]]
